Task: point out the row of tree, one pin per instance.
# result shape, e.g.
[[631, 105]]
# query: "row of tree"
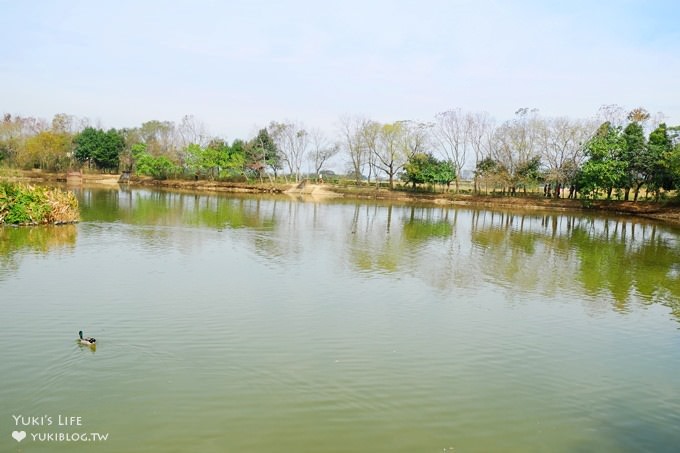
[[616, 155], [617, 150], [162, 148]]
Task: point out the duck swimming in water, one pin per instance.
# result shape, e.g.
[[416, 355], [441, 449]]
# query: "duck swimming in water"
[[86, 340]]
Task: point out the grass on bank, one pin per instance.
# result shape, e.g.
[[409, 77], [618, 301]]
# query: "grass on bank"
[[23, 204]]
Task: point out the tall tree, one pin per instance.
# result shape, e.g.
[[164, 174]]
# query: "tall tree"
[[391, 152], [11, 137], [65, 124], [424, 168], [481, 131], [562, 144], [636, 158], [46, 150], [191, 130], [515, 143], [99, 148], [660, 160], [613, 114], [351, 130], [417, 137], [160, 138], [370, 137], [604, 168], [489, 171], [292, 140], [321, 149], [452, 132], [262, 153]]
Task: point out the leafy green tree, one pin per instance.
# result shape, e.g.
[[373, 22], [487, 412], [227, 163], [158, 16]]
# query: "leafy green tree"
[[672, 163], [238, 159], [234, 158], [262, 154], [604, 168], [660, 151], [194, 158], [424, 168], [158, 167], [108, 155], [638, 162], [417, 168], [445, 173], [99, 148], [138, 149], [215, 159]]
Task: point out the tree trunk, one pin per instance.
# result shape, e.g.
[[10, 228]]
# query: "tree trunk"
[[637, 191]]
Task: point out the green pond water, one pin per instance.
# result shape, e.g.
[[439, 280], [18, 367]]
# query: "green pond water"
[[255, 324]]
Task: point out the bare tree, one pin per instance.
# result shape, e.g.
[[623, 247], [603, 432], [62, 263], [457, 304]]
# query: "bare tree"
[[160, 138], [292, 140], [64, 123], [614, 114], [452, 134], [562, 144], [416, 136], [480, 133], [370, 133], [322, 149], [351, 130], [655, 121], [192, 131], [515, 143]]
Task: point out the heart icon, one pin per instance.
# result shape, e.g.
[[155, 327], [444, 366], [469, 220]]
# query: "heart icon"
[[19, 435]]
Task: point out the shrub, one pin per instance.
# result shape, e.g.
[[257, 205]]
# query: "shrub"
[[21, 204]]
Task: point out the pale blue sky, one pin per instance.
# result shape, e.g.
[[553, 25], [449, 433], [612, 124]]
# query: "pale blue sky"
[[237, 65]]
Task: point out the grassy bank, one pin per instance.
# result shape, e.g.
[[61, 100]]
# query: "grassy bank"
[[22, 204]]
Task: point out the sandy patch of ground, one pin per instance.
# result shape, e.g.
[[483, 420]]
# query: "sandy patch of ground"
[[312, 190]]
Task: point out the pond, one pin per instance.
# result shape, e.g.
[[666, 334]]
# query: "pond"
[[260, 324]]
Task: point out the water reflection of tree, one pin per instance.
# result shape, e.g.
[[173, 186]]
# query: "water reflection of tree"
[[629, 259], [372, 246], [161, 208], [41, 239], [619, 257], [380, 243], [545, 253]]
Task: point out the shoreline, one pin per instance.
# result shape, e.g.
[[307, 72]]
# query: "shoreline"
[[665, 211]]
